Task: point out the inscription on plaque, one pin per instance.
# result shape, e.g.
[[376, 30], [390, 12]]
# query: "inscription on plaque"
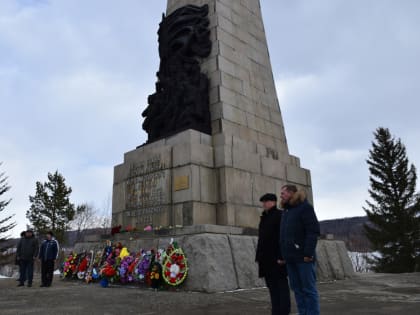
[[181, 183], [147, 191], [147, 166]]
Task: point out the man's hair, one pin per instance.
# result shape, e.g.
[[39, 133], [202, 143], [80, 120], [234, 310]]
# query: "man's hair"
[[50, 233], [290, 188]]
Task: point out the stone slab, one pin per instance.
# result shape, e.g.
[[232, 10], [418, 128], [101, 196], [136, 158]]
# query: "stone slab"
[[190, 153], [226, 261], [346, 263], [211, 266], [246, 269], [333, 262]]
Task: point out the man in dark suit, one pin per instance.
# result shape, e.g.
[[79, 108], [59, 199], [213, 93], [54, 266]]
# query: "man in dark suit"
[[269, 256]]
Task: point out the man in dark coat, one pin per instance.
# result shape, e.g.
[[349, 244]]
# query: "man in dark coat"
[[298, 237], [26, 252], [17, 262], [48, 255], [268, 256]]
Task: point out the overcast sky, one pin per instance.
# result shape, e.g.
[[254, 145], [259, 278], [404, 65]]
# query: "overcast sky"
[[75, 75]]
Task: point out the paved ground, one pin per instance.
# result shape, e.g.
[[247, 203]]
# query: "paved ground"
[[371, 294]]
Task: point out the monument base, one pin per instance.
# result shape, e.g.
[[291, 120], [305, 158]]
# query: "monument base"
[[193, 178], [222, 258]]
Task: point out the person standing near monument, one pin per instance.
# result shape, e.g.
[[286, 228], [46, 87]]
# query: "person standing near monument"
[[26, 252], [268, 256], [299, 233], [17, 263], [48, 255]]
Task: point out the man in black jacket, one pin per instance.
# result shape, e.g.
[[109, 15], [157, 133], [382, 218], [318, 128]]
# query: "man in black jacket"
[[268, 256], [26, 252], [17, 262]]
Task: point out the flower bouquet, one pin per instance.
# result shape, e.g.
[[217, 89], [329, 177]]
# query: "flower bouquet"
[[83, 266], [116, 230], [93, 266], [124, 269], [155, 278], [109, 270], [143, 266], [70, 265], [108, 273]]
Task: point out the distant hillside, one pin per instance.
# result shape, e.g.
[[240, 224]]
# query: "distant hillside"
[[71, 237], [349, 230]]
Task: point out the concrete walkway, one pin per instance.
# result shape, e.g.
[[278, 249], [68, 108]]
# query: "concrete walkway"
[[368, 294]]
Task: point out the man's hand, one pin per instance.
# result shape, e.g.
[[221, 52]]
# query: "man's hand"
[[281, 262], [308, 259]]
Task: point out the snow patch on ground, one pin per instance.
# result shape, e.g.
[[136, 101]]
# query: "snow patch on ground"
[[241, 290], [360, 260], [4, 277]]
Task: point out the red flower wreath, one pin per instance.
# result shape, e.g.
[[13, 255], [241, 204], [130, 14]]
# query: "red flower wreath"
[[175, 267]]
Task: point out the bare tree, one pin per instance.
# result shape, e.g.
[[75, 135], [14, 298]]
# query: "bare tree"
[[106, 214], [89, 217], [84, 219], [360, 261]]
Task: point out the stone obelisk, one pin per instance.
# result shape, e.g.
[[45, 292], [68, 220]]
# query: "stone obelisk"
[[193, 178]]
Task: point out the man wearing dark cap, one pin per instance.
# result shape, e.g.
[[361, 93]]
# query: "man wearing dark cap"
[[48, 255], [26, 252], [268, 256]]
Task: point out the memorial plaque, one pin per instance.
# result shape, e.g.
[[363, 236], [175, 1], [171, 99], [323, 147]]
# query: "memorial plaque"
[[181, 183]]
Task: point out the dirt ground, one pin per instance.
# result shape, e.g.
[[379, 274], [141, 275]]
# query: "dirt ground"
[[367, 294]]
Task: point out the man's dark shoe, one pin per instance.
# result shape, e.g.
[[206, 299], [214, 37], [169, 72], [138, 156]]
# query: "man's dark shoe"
[[42, 286], [21, 284]]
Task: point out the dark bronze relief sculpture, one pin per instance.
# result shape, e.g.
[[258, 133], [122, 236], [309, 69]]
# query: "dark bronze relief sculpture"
[[181, 100]]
